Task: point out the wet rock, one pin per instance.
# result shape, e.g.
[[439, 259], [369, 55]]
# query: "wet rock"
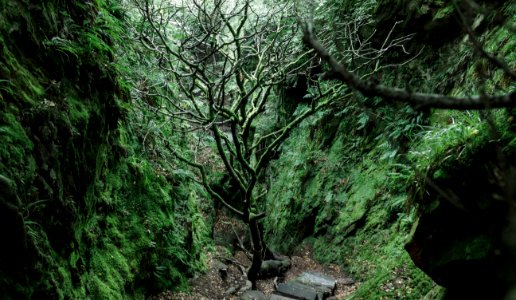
[[248, 285], [230, 291]]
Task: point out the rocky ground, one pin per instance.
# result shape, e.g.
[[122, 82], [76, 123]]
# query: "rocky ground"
[[225, 277]]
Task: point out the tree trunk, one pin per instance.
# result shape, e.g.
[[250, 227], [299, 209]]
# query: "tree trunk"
[[256, 265]]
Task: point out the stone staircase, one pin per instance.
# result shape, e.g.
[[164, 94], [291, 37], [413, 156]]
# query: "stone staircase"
[[307, 286]]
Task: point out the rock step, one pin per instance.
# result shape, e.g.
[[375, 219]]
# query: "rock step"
[[280, 297], [308, 286], [318, 281], [253, 295], [298, 291]]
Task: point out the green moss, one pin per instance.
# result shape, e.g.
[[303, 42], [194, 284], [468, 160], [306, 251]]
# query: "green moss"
[[108, 218], [15, 149], [21, 81], [112, 267], [377, 260], [479, 247], [444, 12], [78, 112], [102, 220], [437, 292], [361, 218], [361, 194], [102, 289]]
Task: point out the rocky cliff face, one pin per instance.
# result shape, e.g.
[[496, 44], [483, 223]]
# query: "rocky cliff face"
[[463, 236], [354, 180], [58, 112], [83, 210]]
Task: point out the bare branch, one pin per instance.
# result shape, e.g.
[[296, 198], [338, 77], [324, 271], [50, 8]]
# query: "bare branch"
[[369, 88], [204, 180]]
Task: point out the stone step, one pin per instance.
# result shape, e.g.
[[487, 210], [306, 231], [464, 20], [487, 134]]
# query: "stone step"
[[253, 295], [280, 297], [321, 283], [317, 279], [297, 290], [307, 286]]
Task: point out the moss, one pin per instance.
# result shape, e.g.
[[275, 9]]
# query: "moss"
[[357, 186], [437, 292], [479, 247], [376, 259], [360, 219], [444, 12], [108, 218], [112, 268], [15, 149], [101, 219], [102, 289], [21, 82], [78, 112]]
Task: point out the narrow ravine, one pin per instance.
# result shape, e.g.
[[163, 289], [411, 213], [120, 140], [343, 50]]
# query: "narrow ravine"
[[225, 277], [258, 149]]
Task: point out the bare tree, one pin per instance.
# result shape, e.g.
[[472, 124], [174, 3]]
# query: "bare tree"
[[224, 59]]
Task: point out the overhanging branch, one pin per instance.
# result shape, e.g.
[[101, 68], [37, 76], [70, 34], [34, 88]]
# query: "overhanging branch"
[[371, 89]]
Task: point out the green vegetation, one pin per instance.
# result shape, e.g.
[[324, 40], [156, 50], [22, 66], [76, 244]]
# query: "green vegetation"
[[100, 218], [125, 126], [354, 197]]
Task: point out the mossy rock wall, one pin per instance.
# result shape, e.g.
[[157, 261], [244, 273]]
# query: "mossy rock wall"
[[463, 236], [350, 205], [83, 212], [346, 180]]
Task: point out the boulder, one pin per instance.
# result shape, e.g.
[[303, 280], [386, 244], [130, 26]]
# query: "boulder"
[[459, 237], [453, 249], [274, 267], [307, 286]]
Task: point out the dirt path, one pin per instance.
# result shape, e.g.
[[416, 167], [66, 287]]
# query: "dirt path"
[[225, 278]]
